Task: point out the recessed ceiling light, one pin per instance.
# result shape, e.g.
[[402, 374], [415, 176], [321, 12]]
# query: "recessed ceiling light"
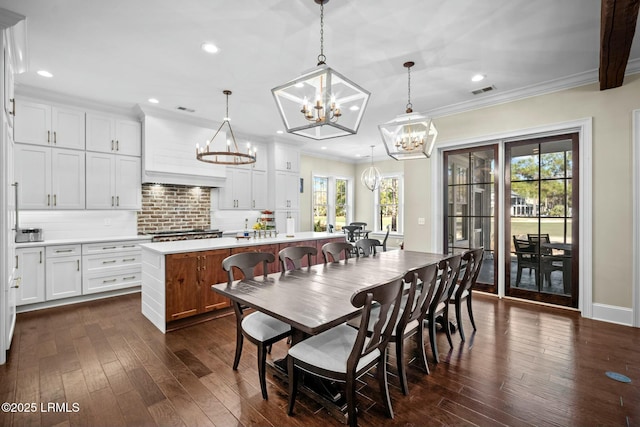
[[357, 155], [209, 47], [354, 108], [45, 73], [279, 131], [323, 148], [153, 100], [299, 85], [478, 78]]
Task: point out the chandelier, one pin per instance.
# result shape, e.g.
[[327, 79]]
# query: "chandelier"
[[370, 177], [230, 156], [321, 103], [411, 135]]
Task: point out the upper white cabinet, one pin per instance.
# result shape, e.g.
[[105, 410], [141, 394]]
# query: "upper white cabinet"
[[287, 158], [44, 124], [49, 178], [9, 96], [262, 158], [287, 190], [113, 181], [236, 193], [259, 190], [106, 134]]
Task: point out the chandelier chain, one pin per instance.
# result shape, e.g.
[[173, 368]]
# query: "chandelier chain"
[[321, 57], [409, 105]]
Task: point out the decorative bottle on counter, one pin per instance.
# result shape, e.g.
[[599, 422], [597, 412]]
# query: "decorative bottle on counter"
[[246, 227]]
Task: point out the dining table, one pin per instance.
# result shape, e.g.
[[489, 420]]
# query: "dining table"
[[316, 298]]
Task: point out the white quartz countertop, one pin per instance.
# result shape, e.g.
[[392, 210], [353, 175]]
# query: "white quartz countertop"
[[81, 240], [181, 246]]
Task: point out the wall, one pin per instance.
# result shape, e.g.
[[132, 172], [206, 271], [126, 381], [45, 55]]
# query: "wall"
[[174, 207], [80, 224], [611, 198]]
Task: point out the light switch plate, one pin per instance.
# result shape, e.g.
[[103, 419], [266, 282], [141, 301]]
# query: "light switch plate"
[[420, 221]]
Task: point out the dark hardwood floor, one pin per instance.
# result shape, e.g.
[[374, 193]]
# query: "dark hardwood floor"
[[527, 365]]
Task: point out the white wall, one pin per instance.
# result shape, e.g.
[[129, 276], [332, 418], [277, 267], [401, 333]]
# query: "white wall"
[[81, 224]]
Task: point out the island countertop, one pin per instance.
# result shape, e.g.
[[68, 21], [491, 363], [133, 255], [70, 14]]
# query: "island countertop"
[[182, 246]]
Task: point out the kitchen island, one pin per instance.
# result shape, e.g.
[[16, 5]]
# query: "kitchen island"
[[177, 276]]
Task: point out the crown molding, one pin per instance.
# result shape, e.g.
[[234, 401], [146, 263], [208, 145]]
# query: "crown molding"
[[9, 18]]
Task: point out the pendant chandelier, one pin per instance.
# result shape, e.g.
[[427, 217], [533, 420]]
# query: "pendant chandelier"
[[229, 156], [321, 103], [370, 177], [411, 135]]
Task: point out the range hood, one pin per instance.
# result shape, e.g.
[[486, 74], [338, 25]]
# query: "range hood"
[[168, 152]]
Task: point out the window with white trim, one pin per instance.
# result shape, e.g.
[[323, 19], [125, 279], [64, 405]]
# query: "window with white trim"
[[331, 200], [388, 204]]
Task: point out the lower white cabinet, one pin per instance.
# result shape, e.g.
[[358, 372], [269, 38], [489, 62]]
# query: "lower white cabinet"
[[63, 272], [111, 266], [30, 269]]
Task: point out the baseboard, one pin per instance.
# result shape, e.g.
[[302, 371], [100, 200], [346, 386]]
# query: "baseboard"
[[75, 300], [613, 314]]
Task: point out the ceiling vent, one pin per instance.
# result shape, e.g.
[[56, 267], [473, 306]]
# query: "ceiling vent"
[[483, 90], [188, 110]]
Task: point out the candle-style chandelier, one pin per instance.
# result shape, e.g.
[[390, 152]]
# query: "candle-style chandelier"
[[230, 156], [321, 103], [411, 135], [371, 177]]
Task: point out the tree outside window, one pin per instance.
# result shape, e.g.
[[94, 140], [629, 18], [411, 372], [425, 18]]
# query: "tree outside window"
[[341, 213], [388, 204], [320, 203]]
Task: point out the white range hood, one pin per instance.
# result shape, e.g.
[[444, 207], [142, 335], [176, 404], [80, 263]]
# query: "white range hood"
[[168, 152]]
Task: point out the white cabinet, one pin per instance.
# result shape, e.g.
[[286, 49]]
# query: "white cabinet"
[[107, 134], [30, 269], [287, 188], [63, 272], [287, 158], [44, 124], [236, 193], [110, 266], [262, 158], [113, 181], [49, 178], [281, 217], [259, 190], [9, 97]]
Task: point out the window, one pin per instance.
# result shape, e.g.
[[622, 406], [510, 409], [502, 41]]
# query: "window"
[[388, 202], [331, 202]]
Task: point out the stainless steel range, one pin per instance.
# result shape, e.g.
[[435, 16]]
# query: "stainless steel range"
[[173, 235]]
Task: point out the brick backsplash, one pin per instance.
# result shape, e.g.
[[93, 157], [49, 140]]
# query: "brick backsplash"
[[174, 207]]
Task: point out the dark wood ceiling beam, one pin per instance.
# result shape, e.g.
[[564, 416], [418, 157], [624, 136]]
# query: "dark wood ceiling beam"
[[617, 27]]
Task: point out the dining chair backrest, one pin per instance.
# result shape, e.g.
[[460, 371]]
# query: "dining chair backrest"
[[417, 306], [473, 260], [366, 247], [525, 250], [386, 299], [386, 236], [359, 224], [351, 231], [331, 251], [537, 239], [448, 271], [293, 256], [246, 262]]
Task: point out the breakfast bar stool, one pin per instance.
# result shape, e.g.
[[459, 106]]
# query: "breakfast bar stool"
[[259, 328]]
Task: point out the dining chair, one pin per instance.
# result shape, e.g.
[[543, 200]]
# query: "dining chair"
[[526, 258], [548, 261], [366, 247], [351, 231], [332, 251], [362, 226], [259, 328], [463, 290], [386, 237], [344, 354], [293, 256], [448, 271]]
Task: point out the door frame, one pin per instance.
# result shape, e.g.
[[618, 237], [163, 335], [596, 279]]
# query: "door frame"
[[584, 128], [635, 154]]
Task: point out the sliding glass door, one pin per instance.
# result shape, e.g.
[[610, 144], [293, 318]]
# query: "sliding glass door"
[[541, 227]]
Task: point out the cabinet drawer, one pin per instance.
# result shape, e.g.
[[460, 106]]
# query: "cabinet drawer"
[[117, 261], [109, 247], [109, 282], [63, 250]]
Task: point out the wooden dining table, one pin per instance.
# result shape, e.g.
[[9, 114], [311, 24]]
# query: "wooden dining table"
[[316, 298]]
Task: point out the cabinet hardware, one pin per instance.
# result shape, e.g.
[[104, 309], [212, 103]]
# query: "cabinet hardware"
[[55, 138], [18, 282], [117, 145], [48, 199], [48, 137], [111, 261], [40, 257], [59, 251], [129, 278], [112, 145], [16, 262], [117, 200], [109, 280], [13, 107], [78, 261], [128, 259], [128, 246], [112, 200], [55, 200], [253, 203], [104, 248]]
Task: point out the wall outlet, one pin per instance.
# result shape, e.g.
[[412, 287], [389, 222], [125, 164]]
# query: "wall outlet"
[[421, 221]]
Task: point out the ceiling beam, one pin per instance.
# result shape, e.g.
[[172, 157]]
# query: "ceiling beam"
[[617, 27]]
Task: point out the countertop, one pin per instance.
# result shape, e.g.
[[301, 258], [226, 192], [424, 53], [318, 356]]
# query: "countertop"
[[182, 246], [81, 240]]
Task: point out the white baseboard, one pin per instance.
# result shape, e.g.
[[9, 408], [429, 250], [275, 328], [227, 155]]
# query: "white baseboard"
[[75, 300], [612, 314]]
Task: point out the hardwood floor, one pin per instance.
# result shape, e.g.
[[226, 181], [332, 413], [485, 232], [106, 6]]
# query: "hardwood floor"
[[527, 365]]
